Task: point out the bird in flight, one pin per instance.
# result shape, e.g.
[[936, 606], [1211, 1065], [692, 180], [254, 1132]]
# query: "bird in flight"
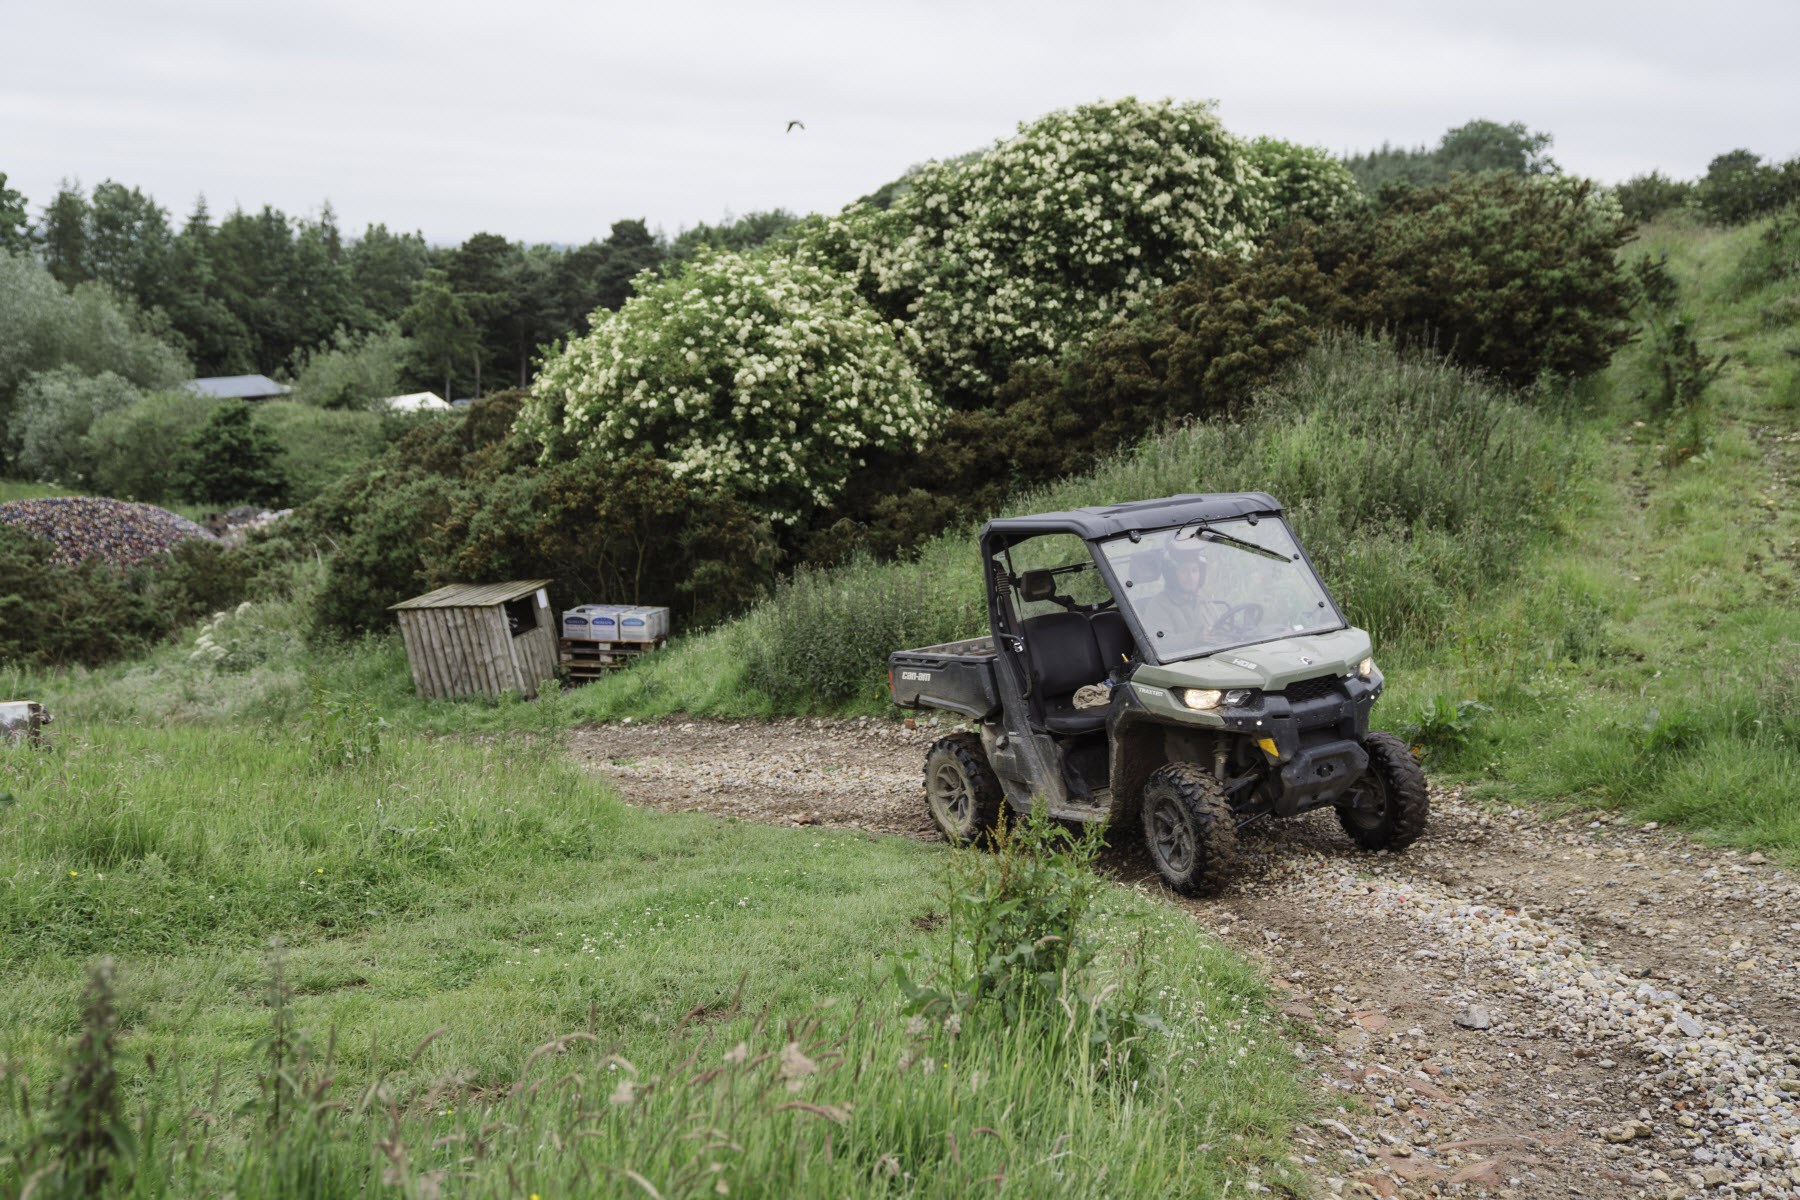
[[791, 125]]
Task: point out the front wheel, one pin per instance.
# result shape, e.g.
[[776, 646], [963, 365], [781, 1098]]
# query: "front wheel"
[[1188, 827], [961, 789], [1389, 809]]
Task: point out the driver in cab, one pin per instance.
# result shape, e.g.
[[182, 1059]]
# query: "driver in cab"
[[1179, 610]]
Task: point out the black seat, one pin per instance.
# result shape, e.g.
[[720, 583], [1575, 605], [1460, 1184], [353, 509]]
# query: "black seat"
[[1064, 657], [1113, 638]]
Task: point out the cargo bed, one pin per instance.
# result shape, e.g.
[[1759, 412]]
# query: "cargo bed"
[[956, 676]]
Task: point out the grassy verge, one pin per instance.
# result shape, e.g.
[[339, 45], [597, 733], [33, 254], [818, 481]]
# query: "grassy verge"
[[486, 888]]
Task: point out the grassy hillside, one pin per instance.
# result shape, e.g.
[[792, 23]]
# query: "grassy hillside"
[[1570, 601], [1676, 695]]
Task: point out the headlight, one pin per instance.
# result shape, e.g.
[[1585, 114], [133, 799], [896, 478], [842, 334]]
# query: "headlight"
[[1366, 667], [1201, 698]]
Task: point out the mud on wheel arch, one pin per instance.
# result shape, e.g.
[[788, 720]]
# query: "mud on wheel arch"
[[1175, 666]]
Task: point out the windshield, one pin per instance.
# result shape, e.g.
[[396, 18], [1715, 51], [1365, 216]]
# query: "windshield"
[[1203, 588]]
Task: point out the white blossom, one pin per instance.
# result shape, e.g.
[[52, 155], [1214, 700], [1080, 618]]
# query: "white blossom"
[[763, 375]]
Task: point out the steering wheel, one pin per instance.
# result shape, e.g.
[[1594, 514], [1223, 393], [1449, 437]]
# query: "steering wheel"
[[1240, 618]]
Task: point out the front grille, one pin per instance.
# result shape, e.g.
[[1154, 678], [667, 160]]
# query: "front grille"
[[1311, 689]]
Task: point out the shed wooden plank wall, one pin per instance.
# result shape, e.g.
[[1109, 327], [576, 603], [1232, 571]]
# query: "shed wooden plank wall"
[[469, 651], [536, 650]]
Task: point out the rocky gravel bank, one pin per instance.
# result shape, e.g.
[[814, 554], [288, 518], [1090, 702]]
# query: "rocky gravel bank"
[[1519, 1006]]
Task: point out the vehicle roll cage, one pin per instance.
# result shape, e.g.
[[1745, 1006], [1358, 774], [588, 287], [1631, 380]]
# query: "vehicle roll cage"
[[1096, 525]]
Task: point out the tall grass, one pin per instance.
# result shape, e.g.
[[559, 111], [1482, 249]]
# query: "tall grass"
[[493, 979], [1412, 484]]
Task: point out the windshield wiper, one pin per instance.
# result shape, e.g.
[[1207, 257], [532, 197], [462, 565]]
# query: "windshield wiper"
[[1216, 535]]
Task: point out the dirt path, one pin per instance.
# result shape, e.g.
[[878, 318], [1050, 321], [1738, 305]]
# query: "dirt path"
[[1516, 1006]]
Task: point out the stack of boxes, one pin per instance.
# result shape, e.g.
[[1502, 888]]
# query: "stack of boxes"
[[599, 637]]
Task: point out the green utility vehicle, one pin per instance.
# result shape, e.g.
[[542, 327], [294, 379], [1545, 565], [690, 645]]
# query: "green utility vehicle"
[[1173, 662]]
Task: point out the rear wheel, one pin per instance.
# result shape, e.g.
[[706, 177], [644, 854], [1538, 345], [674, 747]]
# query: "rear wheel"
[[961, 790], [1391, 807], [1188, 827]]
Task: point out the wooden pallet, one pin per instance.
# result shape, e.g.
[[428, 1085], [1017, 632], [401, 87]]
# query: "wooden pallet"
[[585, 660]]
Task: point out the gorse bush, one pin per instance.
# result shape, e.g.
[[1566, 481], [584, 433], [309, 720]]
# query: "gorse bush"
[[1738, 186], [1646, 197], [768, 377], [1516, 275], [53, 615], [462, 500]]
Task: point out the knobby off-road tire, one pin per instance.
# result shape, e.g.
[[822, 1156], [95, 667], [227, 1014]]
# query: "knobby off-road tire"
[[961, 790], [1189, 827], [1399, 804]]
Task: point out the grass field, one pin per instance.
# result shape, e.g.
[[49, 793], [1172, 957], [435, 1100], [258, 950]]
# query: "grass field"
[[487, 888]]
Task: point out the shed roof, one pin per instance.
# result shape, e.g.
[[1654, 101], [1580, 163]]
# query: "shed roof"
[[1116, 519], [237, 387], [473, 595]]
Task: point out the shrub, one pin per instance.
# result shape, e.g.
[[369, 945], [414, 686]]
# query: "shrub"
[[231, 460], [89, 329], [464, 501], [318, 446], [1303, 181], [1515, 275], [55, 410], [1773, 257], [1739, 186], [132, 449], [1076, 220], [91, 614], [1646, 197], [354, 370], [765, 377], [624, 531]]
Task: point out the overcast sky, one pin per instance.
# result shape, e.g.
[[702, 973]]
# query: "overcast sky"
[[547, 120]]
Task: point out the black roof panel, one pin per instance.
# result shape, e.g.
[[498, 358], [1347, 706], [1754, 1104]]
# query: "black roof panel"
[[1115, 519]]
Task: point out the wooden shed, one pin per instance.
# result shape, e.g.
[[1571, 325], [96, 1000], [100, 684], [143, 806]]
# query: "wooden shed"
[[485, 638]]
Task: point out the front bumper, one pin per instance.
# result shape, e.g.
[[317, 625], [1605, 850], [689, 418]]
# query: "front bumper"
[[1315, 728]]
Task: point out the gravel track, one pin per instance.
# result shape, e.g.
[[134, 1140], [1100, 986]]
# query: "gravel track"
[[1519, 1005]]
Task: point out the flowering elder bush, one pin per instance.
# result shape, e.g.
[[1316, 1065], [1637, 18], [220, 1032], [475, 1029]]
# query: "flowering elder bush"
[[1303, 181], [763, 376], [1077, 219]]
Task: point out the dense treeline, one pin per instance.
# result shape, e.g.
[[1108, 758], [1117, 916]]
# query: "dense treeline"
[[266, 292]]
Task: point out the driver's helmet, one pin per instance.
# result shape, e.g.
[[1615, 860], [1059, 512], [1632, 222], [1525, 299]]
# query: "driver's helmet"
[[1180, 555]]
